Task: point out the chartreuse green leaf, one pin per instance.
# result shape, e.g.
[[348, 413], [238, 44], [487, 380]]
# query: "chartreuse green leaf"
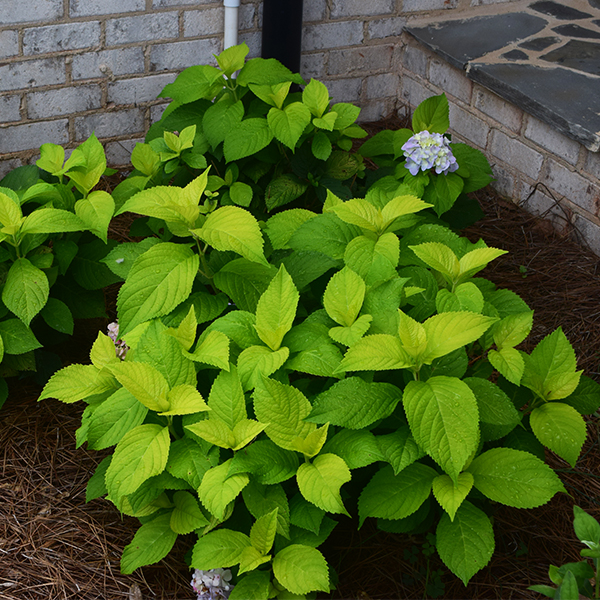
[[399, 449], [316, 97], [186, 516], [449, 331], [466, 543], [512, 329], [348, 336], [185, 332], [344, 296], [379, 352], [212, 349], [311, 445], [451, 495], [77, 382], [389, 496], [432, 115], [159, 280], [188, 461], [246, 138], [217, 490], [356, 448], [443, 417], [214, 431], [143, 382], [226, 398], [288, 124], [412, 335], [327, 121], [26, 290], [253, 586], [151, 543], [374, 260], [268, 463], [354, 403], [472, 262], [103, 351], [51, 220], [262, 534], [550, 369], [232, 59], [466, 296], [10, 215], [323, 360], [514, 478], [141, 454], [219, 549], [233, 228], [52, 157], [86, 164], [259, 361], [262, 499], [273, 95], [440, 258], [184, 399], [509, 363], [587, 529], [117, 415], [251, 559], [96, 211], [276, 309], [359, 212], [301, 569], [281, 227], [561, 428], [400, 207]]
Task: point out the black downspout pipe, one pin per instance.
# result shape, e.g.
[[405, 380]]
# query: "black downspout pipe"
[[282, 32]]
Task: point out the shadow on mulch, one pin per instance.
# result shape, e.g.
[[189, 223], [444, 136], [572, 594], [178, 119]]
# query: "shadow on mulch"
[[54, 546]]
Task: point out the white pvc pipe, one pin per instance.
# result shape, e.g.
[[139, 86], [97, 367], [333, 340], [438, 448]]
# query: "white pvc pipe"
[[231, 23]]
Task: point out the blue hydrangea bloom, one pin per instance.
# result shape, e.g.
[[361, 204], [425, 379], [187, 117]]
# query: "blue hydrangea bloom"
[[426, 151]]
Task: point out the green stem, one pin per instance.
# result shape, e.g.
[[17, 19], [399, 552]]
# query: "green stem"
[[172, 428]]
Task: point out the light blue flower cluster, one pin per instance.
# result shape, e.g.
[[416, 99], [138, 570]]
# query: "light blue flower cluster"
[[212, 584], [426, 151]]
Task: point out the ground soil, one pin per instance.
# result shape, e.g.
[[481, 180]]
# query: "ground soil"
[[55, 546]]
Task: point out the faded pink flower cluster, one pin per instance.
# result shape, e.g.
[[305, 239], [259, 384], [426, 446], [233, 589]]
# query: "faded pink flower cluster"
[[120, 346], [212, 584]]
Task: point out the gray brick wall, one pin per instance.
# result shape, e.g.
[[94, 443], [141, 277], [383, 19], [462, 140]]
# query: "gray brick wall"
[[68, 67]]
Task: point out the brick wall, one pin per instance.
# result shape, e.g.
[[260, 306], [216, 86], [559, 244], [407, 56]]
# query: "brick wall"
[[70, 67], [546, 172]]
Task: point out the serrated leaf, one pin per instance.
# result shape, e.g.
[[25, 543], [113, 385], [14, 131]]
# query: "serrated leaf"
[[58, 316], [432, 115], [561, 428], [586, 397], [26, 290], [311, 445], [259, 361], [186, 516], [477, 259], [326, 122], [262, 534], [96, 211], [451, 495], [51, 220], [356, 448], [379, 352], [220, 118], [390, 496], [321, 146], [348, 336], [315, 97], [586, 527], [288, 124], [226, 398], [253, 586], [159, 280], [76, 382], [509, 363], [344, 296], [267, 462], [217, 490], [151, 543], [399, 449], [212, 350], [439, 257], [301, 569], [322, 360], [219, 549], [276, 309], [184, 399], [251, 559], [262, 499], [443, 417], [465, 544], [354, 403], [514, 478], [247, 138], [233, 228], [213, 431], [144, 382], [281, 227], [141, 454], [96, 488], [188, 461], [512, 329]]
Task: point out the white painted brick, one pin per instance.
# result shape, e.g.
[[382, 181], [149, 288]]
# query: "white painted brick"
[[356, 60], [246, 17], [487, 2], [313, 66], [110, 124], [413, 92], [573, 186], [253, 40], [499, 109], [415, 60], [64, 101], [179, 55], [592, 164], [87, 8], [422, 5], [547, 137], [373, 111], [332, 35], [344, 90], [505, 181], [32, 135], [470, 127], [125, 61], [10, 109], [314, 10], [172, 3], [203, 22], [156, 112], [516, 153], [6, 166], [29, 11], [9, 43], [56, 38], [356, 8], [128, 30], [139, 89], [382, 86], [118, 154], [537, 202], [32, 73], [589, 231], [451, 80], [382, 28]]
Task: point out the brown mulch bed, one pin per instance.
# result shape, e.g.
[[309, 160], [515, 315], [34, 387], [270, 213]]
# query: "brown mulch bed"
[[55, 546]]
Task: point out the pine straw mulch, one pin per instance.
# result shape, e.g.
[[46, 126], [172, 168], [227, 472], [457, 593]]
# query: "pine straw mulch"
[[54, 546]]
